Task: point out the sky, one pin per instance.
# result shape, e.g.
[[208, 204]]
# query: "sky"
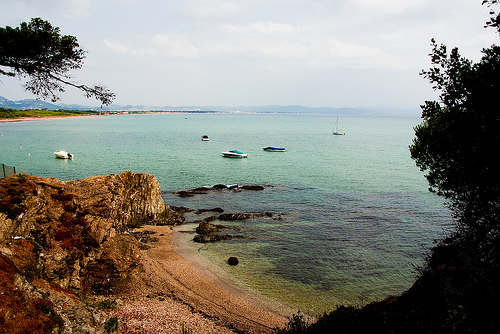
[[316, 53]]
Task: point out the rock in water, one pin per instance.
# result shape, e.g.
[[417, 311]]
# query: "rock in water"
[[233, 261]]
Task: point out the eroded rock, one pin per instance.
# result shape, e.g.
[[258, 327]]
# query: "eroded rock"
[[71, 238], [243, 216], [217, 187]]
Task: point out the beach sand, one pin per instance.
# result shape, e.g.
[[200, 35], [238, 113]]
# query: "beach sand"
[[23, 119], [174, 291]]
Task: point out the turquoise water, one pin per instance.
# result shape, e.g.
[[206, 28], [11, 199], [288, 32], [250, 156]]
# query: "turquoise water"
[[355, 216]]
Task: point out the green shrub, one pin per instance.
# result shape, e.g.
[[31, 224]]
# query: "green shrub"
[[106, 304], [111, 325]]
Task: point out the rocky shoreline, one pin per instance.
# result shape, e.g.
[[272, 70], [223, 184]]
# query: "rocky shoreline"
[[96, 255]]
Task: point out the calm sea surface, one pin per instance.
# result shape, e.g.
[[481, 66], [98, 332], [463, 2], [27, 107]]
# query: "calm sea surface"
[[353, 214]]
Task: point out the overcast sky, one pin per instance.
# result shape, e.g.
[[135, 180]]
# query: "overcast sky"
[[317, 53]]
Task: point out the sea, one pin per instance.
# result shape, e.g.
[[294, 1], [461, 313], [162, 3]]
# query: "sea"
[[352, 218]]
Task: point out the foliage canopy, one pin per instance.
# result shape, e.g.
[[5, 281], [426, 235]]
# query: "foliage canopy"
[[457, 143], [37, 51]]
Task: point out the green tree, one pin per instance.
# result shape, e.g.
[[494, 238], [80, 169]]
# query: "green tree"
[[37, 51], [458, 143]]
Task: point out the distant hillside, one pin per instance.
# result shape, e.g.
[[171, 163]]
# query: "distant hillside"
[[38, 104], [27, 104]]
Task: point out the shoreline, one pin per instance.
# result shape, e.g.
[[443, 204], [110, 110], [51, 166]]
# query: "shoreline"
[[175, 289], [181, 239], [26, 119]]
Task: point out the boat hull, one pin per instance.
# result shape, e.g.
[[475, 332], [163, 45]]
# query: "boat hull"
[[274, 149], [234, 154], [63, 155]]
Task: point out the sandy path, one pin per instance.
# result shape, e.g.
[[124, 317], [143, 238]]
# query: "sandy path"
[[171, 292]]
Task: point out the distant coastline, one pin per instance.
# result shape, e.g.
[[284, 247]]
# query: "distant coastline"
[[23, 119], [374, 110], [46, 117]]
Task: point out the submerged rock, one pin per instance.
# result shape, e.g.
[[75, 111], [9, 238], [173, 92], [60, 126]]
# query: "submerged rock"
[[200, 211], [208, 232], [233, 261], [206, 238], [243, 216], [206, 227], [252, 187], [217, 187]]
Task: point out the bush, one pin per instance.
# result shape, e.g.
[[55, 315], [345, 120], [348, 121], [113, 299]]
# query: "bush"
[[111, 325]]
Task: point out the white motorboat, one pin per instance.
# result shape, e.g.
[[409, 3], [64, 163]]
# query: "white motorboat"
[[234, 154], [63, 155]]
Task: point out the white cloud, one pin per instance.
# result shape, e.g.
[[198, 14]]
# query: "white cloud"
[[116, 47], [392, 7], [174, 45], [214, 9], [69, 8], [79, 7], [292, 46], [310, 45], [273, 28], [154, 47]]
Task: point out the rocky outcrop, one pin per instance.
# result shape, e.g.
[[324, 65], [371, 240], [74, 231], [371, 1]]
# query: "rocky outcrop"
[[233, 261], [63, 239], [217, 187], [243, 216], [209, 232]]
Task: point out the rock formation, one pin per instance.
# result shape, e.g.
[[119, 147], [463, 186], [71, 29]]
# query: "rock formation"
[[217, 187], [209, 232], [61, 241]]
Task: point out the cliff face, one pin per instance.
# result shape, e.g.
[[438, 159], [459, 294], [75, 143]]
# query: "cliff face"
[[59, 240]]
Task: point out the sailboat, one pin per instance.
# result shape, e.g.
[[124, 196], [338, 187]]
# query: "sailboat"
[[336, 131]]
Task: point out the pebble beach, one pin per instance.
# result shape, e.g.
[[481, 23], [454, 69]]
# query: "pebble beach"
[[171, 294]]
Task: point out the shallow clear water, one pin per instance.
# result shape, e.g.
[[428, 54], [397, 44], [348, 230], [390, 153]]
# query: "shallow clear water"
[[356, 214]]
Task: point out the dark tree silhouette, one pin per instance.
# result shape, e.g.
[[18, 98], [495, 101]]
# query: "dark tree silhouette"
[[37, 51], [458, 140]]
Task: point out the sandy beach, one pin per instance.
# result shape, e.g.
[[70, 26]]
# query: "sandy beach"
[[171, 292], [22, 119]]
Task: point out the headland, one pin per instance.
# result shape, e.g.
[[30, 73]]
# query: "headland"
[[98, 254]]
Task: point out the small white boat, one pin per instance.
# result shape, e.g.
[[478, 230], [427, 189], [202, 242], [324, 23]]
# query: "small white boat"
[[63, 155], [205, 138], [336, 131], [274, 149], [234, 154]]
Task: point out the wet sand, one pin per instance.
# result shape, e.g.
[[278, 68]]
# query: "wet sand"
[[177, 288]]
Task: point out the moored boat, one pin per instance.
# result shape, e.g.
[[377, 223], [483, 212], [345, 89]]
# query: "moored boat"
[[63, 155], [274, 149], [205, 138], [234, 154], [336, 131]]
